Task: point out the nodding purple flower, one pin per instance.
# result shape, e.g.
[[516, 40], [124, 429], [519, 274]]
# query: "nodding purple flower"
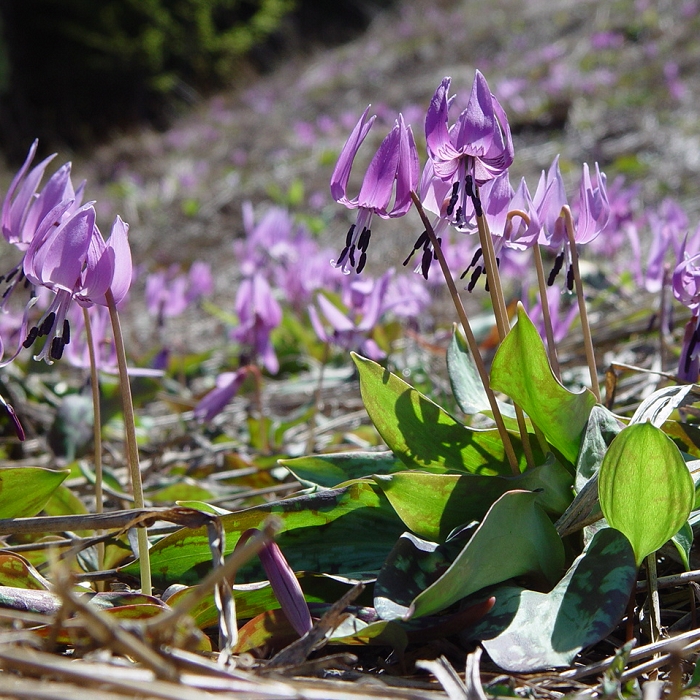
[[392, 174], [475, 149], [258, 315], [72, 260], [23, 209], [593, 213], [352, 331]]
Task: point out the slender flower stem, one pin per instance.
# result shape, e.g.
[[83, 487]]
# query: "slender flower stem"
[[97, 437], [469, 334], [502, 322], [546, 317], [132, 450], [587, 339]]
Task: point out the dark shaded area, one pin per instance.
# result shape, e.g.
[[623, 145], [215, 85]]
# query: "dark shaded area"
[[73, 72]]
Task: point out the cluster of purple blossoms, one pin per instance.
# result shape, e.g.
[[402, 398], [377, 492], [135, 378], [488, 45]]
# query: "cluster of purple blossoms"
[[465, 178], [63, 252]]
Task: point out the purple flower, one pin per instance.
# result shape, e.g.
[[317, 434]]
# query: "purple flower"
[[72, 260], [689, 362], [352, 330], [284, 583], [686, 282], [474, 150], [227, 386], [258, 315], [392, 174]]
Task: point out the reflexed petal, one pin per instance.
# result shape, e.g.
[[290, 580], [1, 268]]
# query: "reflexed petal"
[[378, 184], [408, 171], [341, 173], [473, 133], [338, 320], [436, 133]]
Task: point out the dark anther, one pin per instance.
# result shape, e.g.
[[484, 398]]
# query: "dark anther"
[[558, 262], [476, 257], [27, 283], [10, 275], [57, 346], [363, 243], [348, 238], [498, 263], [66, 331], [422, 242], [351, 254], [343, 255], [458, 215], [471, 191], [453, 198], [47, 324], [7, 291], [570, 279], [31, 337], [425, 262], [474, 278], [362, 263]]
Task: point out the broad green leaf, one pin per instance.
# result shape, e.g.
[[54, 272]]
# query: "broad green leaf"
[[644, 487], [425, 436], [25, 490], [184, 489], [601, 429], [521, 370], [527, 631], [467, 387], [432, 505], [516, 538], [329, 470], [325, 532]]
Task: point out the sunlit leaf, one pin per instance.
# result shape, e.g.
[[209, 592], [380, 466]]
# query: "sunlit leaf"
[[432, 505], [422, 434], [644, 487], [515, 538], [521, 370], [25, 490], [17, 572], [337, 518]]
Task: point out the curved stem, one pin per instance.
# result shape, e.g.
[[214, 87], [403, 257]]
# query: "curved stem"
[[132, 449], [469, 334]]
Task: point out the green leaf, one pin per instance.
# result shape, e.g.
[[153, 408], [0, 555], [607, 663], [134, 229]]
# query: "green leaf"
[[467, 387], [644, 488], [425, 436], [516, 538], [527, 631], [17, 572], [432, 505], [329, 470], [683, 541], [25, 490], [325, 532], [521, 370]]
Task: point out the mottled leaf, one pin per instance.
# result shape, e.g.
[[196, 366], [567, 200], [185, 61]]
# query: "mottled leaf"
[[337, 518], [329, 470], [528, 631], [521, 370], [17, 572], [515, 538]]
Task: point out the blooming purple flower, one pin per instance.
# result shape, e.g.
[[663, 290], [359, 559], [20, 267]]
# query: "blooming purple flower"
[[686, 289], [72, 260], [474, 150], [258, 315], [392, 174]]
